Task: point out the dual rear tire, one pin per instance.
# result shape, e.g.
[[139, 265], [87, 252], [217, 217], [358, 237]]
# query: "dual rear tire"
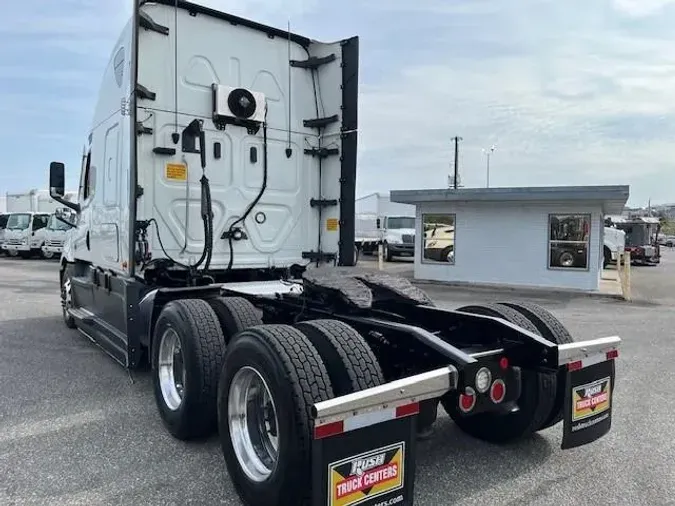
[[215, 365], [541, 401]]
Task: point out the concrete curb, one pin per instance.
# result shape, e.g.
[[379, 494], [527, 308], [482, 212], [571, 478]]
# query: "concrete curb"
[[520, 290]]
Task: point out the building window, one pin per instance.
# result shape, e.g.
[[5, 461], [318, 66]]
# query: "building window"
[[438, 238], [569, 241]]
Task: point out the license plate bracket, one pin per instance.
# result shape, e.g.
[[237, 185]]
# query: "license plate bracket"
[[588, 404]]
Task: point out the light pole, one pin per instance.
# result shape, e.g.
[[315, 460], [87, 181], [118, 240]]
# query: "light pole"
[[456, 138], [489, 152]]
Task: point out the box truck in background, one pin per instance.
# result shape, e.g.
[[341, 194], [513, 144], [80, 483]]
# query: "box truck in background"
[[25, 224], [378, 219], [35, 201]]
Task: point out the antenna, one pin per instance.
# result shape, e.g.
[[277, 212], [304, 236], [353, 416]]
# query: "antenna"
[[289, 150]]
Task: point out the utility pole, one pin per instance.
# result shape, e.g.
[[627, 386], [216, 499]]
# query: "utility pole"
[[456, 139], [489, 152]]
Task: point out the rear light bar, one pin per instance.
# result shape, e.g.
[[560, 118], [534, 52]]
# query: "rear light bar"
[[396, 399], [365, 420], [580, 364], [575, 356]]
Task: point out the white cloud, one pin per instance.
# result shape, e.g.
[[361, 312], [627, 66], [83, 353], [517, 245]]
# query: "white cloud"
[[580, 99], [640, 8]]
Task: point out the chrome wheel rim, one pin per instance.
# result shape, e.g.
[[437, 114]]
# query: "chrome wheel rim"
[[48, 254], [566, 260], [67, 301], [171, 369], [253, 424]]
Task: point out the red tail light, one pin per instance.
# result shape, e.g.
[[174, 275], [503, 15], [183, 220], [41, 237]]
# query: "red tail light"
[[504, 363], [498, 391], [467, 400]]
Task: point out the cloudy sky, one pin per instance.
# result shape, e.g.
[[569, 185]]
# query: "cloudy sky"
[[571, 92]]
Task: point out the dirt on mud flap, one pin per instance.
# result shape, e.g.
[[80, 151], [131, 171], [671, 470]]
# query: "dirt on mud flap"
[[589, 393], [365, 455]]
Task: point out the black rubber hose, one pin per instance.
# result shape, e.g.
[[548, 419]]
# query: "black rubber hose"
[[255, 201], [208, 238]]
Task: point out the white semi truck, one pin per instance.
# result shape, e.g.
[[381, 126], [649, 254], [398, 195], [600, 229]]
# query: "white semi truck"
[[381, 221], [207, 202]]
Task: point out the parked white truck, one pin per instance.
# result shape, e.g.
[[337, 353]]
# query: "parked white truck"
[[316, 380], [379, 220], [55, 235], [25, 234], [3, 226], [28, 216]]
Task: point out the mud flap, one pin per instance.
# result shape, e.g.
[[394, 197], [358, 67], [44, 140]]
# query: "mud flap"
[[373, 465], [588, 404]]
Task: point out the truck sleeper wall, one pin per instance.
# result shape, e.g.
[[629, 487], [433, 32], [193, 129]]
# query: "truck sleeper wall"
[[305, 186]]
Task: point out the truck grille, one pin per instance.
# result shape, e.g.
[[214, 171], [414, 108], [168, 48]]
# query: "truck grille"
[[57, 244], [408, 239], [14, 242]]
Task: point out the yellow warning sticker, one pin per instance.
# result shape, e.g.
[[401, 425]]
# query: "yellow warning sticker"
[[366, 476], [332, 224], [176, 172]]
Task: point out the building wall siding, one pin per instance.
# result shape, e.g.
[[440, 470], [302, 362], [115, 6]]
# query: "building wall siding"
[[507, 244]]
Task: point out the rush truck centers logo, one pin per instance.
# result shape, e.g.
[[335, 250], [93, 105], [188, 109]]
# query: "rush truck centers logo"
[[590, 399], [363, 477]]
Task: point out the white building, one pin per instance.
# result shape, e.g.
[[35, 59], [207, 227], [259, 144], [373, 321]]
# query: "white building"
[[549, 237]]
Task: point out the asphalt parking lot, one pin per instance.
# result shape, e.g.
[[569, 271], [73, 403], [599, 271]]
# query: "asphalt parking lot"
[[75, 428]]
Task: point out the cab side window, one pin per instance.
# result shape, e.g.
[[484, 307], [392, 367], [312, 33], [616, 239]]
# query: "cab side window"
[[89, 179], [40, 222]]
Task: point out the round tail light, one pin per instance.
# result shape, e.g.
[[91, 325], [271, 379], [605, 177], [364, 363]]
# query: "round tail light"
[[483, 379], [467, 400], [498, 391]]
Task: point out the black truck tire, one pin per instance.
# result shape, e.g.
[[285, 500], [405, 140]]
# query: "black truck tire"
[[196, 329], [386, 252], [552, 330], [606, 257], [534, 405], [235, 314], [351, 364], [285, 365]]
